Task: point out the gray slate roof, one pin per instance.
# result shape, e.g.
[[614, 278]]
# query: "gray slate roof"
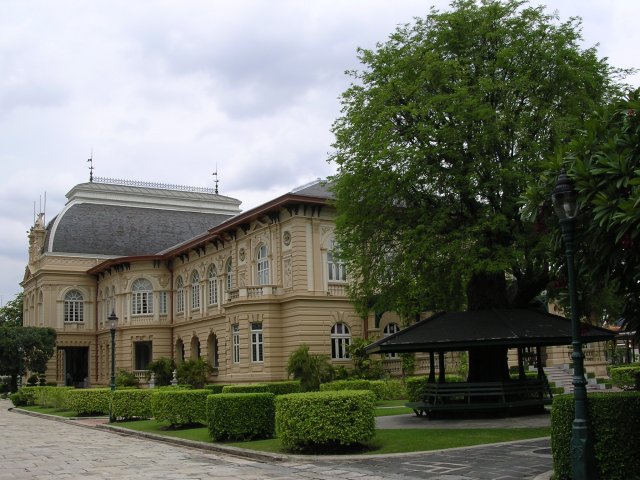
[[454, 331], [90, 228], [319, 188]]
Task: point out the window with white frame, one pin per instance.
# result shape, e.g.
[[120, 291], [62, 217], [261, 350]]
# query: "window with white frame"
[[390, 329], [257, 348], [195, 290], [229, 274], [179, 295], [141, 297], [73, 306], [337, 268], [212, 273], [340, 339], [263, 265], [163, 303], [235, 342]]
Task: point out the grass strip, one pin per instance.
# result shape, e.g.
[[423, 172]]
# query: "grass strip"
[[48, 411], [388, 411], [385, 441]]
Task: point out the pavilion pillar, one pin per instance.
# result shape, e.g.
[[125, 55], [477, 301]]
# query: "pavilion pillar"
[[521, 373], [539, 362], [441, 377], [432, 368]]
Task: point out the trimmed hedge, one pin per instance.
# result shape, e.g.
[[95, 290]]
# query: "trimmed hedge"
[[23, 397], [624, 376], [615, 423], [376, 386], [241, 416], [246, 388], [52, 397], [284, 388], [128, 404], [214, 387], [180, 407], [89, 401], [325, 419]]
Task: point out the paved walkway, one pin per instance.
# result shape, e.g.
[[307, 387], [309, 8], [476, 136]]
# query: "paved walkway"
[[36, 448]]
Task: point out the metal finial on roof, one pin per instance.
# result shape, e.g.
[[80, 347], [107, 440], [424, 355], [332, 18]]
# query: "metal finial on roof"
[[90, 160], [215, 174]]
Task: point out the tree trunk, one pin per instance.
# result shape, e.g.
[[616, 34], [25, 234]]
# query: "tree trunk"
[[484, 292]]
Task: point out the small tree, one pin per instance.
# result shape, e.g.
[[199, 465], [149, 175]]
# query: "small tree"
[[163, 369], [363, 365], [311, 369], [193, 372], [126, 379]]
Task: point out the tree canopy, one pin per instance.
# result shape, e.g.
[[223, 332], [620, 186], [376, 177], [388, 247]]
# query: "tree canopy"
[[11, 312], [439, 135], [22, 348], [604, 162]]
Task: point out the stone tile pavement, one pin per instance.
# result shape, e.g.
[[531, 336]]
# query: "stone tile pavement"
[[37, 448]]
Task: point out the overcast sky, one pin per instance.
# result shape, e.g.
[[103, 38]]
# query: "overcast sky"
[[167, 91]]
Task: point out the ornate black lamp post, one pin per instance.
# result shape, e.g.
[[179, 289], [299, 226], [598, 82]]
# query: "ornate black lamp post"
[[113, 323], [582, 460]]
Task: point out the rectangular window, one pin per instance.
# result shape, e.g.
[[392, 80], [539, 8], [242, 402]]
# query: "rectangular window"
[[236, 343], [195, 297], [257, 350], [141, 303], [163, 303]]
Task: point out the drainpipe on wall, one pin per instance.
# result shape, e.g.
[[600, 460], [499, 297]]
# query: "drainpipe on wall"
[[170, 302]]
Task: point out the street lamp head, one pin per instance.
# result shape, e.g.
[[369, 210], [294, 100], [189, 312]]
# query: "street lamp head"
[[113, 321], [565, 197]]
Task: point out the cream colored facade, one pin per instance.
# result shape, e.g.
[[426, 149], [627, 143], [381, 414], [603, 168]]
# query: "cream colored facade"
[[242, 296]]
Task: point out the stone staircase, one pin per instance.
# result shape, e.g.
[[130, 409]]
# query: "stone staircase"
[[562, 376]]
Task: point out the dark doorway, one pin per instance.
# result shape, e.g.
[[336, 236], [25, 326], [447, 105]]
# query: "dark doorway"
[[142, 355], [76, 366]]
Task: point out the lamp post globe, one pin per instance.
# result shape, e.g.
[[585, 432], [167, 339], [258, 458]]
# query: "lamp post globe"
[[113, 324], [564, 198]]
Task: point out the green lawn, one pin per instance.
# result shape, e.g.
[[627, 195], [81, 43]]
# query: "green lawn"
[[48, 411], [385, 441]]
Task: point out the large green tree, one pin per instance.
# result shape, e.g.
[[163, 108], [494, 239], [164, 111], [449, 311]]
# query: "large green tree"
[[22, 348], [440, 133], [604, 161]]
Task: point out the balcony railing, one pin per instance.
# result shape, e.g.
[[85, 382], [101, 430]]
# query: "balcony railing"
[[337, 289]]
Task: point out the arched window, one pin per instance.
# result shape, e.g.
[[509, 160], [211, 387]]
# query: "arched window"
[[179, 295], [229, 274], [195, 290], [340, 338], [263, 265], [195, 348], [73, 306], [179, 351], [212, 273], [141, 297], [337, 269], [390, 329]]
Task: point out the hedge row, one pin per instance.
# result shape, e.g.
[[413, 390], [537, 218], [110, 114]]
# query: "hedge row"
[[325, 419], [89, 401], [375, 386], [625, 377], [180, 407], [241, 416], [128, 404], [615, 423], [277, 388]]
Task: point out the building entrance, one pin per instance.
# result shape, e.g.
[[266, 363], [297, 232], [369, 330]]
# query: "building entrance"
[[76, 366]]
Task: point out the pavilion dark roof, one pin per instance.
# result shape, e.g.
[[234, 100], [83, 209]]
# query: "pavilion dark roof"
[[451, 331]]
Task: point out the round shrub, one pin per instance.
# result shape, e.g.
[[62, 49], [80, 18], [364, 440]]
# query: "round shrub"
[[325, 419], [240, 416]]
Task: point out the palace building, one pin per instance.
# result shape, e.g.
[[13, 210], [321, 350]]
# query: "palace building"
[[189, 276]]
